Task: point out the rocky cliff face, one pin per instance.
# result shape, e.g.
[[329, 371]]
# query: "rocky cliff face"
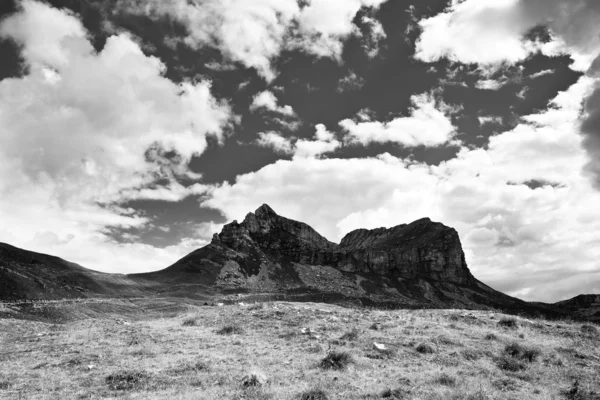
[[423, 248]]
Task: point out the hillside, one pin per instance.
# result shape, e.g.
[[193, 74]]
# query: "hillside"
[[26, 275], [299, 350], [420, 264]]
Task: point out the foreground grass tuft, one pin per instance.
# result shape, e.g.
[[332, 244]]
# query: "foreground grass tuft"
[[313, 394], [337, 360], [508, 322], [527, 353], [350, 335], [191, 321], [446, 380], [425, 348], [230, 330], [576, 392], [126, 380], [589, 330]]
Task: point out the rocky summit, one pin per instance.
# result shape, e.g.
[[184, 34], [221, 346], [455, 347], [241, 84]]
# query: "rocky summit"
[[421, 249], [416, 264]]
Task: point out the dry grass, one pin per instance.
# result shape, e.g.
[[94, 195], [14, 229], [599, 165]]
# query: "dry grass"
[[474, 356]]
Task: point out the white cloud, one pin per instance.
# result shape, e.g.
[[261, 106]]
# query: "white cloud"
[[491, 32], [427, 125], [255, 33], [275, 141], [268, 101], [84, 130], [490, 84], [541, 73], [323, 143], [490, 119], [541, 244]]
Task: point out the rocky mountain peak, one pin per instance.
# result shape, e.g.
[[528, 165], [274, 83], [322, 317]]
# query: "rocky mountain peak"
[[422, 248]]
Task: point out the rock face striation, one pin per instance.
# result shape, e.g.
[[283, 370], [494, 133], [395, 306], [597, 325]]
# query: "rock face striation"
[[422, 249]]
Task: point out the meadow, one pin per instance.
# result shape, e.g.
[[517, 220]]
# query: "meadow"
[[303, 351]]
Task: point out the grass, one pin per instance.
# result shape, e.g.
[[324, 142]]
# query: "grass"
[[191, 321], [155, 356], [508, 322], [425, 348], [230, 330], [126, 380], [313, 394], [336, 360], [523, 352]]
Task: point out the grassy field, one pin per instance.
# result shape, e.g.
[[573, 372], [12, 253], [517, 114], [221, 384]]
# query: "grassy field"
[[304, 351]]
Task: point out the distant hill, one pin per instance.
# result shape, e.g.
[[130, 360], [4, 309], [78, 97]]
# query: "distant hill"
[[26, 275], [585, 306]]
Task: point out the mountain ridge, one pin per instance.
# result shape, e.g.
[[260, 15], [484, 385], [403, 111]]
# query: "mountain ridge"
[[420, 264]]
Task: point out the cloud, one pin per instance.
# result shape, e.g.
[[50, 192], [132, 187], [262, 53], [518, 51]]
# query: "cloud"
[[490, 119], [426, 126], [350, 82], [84, 131], [275, 141], [267, 100], [540, 243], [541, 73], [493, 33], [254, 34], [324, 142]]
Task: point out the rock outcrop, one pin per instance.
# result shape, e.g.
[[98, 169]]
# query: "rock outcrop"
[[421, 249]]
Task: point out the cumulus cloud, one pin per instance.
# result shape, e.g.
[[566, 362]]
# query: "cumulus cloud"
[[255, 33], [427, 125], [493, 33], [323, 142], [85, 130], [275, 141], [267, 100], [517, 238]]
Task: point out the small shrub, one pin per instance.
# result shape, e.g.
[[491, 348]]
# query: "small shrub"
[[126, 380], [337, 360], [256, 306], [314, 394], [446, 380], [506, 384], [576, 392], [253, 393], [425, 348], [198, 366], [192, 321], [471, 354], [517, 350], [395, 394], [4, 385], [590, 330], [375, 326], [230, 330], [445, 340], [254, 379], [491, 336], [508, 322], [510, 364], [350, 335]]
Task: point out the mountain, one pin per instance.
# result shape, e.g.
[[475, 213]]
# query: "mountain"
[[584, 306], [420, 264], [268, 256], [26, 275]]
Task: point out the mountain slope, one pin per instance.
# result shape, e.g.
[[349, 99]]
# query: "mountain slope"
[[416, 265], [26, 275]]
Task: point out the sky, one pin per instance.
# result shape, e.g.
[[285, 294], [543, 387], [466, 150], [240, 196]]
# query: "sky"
[[132, 130]]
